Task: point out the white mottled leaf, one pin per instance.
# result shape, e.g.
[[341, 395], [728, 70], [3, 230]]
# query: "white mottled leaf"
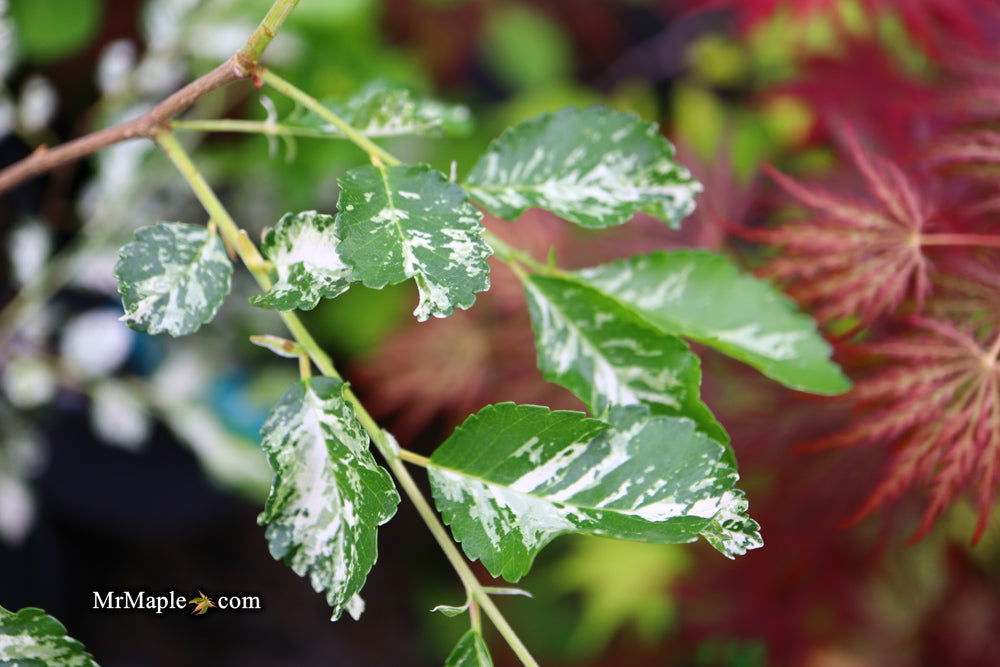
[[471, 651], [513, 477], [595, 167], [32, 638], [732, 531], [303, 249], [173, 277], [410, 222], [381, 111], [607, 355], [329, 496], [703, 296]]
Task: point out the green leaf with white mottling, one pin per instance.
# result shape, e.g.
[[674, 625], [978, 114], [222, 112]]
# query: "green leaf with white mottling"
[[595, 167], [513, 477], [732, 531], [32, 638], [703, 296], [471, 651], [607, 355], [173, 277], [303, 249], [328, 496], [381, 111], [410, 222]]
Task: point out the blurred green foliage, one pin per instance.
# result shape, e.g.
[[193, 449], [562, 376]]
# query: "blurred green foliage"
[[48, 30]]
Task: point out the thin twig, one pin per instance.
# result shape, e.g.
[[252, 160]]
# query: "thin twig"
[[240, 66]]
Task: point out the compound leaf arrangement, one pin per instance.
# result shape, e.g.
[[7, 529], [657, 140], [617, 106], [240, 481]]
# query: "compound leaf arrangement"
[[648, 463]]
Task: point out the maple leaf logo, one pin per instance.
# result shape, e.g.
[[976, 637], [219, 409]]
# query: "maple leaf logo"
[[202, 603], [855, 258], [939, 404]]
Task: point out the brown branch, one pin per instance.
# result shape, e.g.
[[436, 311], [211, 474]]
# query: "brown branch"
[[242, 65]]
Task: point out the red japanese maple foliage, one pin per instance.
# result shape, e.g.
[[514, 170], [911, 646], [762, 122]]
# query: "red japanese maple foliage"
[[935, 400], [933, 23]]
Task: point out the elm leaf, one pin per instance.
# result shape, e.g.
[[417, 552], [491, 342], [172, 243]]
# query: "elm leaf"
[[173, 277], [513, 477], [329, 496], [303, 249], [32, 638], [470, 651], [405, 222], [607, 355], [703, 296], [378, 110], [595, 167]]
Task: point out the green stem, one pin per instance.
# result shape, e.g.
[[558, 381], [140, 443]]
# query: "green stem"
[[251, 127], [472, 585], [265, 32], [312, 104], [264, 127], [515, 257], [250, 255], [414, 458]]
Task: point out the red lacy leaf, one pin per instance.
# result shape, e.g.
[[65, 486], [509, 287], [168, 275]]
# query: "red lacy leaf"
[[938, 407], [854, 258]]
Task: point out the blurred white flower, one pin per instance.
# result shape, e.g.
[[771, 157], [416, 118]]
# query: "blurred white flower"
[[29, 247], [17, 509], [115, 67], [118, 417], [37, 105], [95, 343], [28, 382]]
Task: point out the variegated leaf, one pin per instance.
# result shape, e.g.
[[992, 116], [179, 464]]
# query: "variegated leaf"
[[703, 296], [594, 166], [606, 355], [303, 249], [173, 277], [732, 531], [32, 638], [471, 651], [513, 477], [380, 111], [410, 222], [328, 496]]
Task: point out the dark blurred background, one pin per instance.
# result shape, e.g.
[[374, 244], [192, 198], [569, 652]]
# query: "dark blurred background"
[[131, 463]]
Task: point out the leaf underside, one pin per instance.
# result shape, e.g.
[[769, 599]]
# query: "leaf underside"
[[513, 477], [595, 167], [32, 638], [703, 296], [303, 249], [328, 496], [607, 355], [172, 278], [406, 222]]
